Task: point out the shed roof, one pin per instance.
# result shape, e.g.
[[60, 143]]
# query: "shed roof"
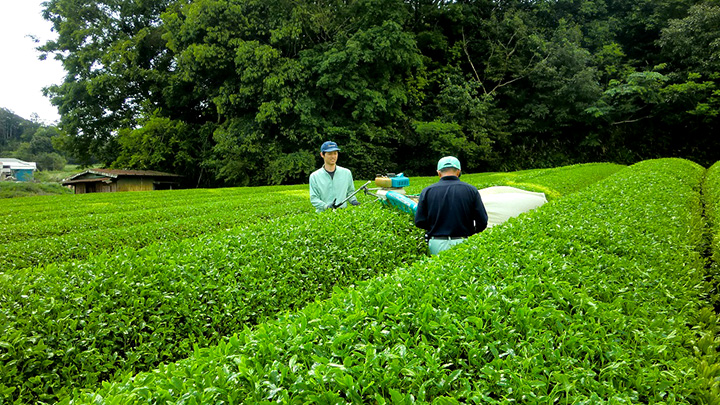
[[92, 180], [17, 164], [115, 173]]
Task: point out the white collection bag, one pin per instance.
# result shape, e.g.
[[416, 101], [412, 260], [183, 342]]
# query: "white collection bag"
[[503, 202]]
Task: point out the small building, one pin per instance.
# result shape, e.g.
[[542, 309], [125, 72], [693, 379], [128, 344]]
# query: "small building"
[[112, 180], [16, 169]]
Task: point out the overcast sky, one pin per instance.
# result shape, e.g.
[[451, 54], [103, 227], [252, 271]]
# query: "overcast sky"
[[22, 74]]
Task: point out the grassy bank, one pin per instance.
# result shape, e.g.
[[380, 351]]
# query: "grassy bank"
[[25, 189]]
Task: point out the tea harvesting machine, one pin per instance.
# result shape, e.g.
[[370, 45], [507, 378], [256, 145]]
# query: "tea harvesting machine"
[[390, 190]]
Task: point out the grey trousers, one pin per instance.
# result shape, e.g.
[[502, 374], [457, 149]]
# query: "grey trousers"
[[437, 245]]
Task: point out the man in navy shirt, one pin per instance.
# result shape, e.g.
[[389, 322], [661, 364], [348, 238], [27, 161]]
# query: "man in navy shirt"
[[450, 210]]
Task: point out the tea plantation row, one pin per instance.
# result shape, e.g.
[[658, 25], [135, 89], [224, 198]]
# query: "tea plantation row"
[[34, 216], [710, 358], [107, 221], [712, 211], [75, 324], [104, 224], [57, 228], [555, 182], [601, 296], [72, 324], [190, 221], [36, 209]]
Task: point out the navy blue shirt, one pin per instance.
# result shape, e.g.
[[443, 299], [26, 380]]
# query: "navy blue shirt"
[[451, 207]]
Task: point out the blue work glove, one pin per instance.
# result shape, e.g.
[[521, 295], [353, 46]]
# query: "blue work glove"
[[355, 202]]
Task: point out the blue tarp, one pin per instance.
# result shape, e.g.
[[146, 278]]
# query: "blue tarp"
[[23, 174]]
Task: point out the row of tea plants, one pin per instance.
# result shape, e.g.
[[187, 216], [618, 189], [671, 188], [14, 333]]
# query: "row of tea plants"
[[78, 323], [42, 208], [74, 323], [56, 228], [710, 359], [712, 210], [112, 231], [598, 296]]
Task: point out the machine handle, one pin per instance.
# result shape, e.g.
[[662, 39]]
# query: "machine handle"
[[364, 186]]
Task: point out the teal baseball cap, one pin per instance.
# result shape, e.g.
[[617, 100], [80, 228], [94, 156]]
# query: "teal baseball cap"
[[448, 161]]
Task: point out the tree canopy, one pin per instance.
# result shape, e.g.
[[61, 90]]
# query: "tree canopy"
[[243, 92]]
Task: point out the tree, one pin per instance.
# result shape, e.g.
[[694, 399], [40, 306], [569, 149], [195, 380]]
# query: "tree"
[[692, 48], [242, 92], [164, 144], [693, 43], [560, 88], [324, 71], [671, 110], [117, 66], [50, 161]]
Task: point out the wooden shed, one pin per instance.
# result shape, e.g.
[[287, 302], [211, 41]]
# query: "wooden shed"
[[111, 180]]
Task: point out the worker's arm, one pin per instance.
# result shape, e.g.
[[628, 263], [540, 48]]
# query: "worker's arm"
[[421, 218], [481, 216], [315, 194]]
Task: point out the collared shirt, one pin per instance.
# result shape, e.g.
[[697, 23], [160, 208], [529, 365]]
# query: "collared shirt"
[[451, 207], [325, 189]]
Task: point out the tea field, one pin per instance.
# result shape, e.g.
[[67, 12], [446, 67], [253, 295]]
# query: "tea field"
[[243, 295]]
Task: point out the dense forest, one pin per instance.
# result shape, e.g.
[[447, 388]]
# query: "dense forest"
[[243, 92]]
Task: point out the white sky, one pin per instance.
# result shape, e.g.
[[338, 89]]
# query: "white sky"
[[22, 74]]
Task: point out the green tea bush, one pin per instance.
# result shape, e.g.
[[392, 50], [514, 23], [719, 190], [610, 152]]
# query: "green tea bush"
[[148, 227], [560, 181], [596, 297], [49, 229], [711, 191], [112, 314], [40, 208], [555, 182], [77, 323], [710, 360], [100, 216]]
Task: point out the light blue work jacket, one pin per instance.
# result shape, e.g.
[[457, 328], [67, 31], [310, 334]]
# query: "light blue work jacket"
[[324, 189]]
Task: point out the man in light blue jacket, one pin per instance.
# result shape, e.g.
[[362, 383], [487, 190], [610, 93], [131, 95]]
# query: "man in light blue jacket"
[[331, 184]]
